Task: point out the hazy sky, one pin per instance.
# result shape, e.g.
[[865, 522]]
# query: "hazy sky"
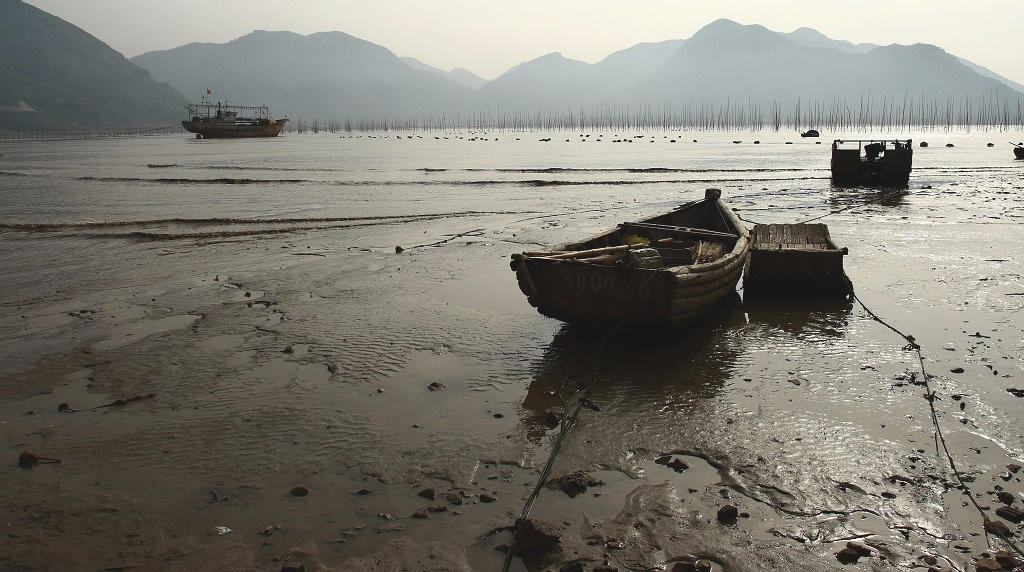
[[488, 36]]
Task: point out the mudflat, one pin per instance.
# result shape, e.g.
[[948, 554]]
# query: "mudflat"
[[238, 371]]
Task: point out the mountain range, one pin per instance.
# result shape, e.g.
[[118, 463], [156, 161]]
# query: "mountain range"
[[55, 74], [334, 75]]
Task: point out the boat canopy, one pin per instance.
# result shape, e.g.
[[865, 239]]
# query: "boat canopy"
[[207, 110]]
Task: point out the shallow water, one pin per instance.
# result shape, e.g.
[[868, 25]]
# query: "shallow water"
[[253, 287]]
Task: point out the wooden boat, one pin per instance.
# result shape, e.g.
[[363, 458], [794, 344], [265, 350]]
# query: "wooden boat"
[[1018, 151], [795, 260], [871, 161], [216, 121], [810, 133], [664, 271]]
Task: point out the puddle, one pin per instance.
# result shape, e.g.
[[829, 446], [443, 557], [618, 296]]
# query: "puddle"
[[485, 291]]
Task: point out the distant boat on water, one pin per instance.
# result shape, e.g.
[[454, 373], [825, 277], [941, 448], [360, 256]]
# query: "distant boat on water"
[[810, 133], [870, 161], [220, 121]]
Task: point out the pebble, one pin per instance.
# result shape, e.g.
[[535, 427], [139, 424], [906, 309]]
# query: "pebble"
[[862, 550], [420, 514], [537, 536], [847, 556], [427, 494], [1006, 559], [728, 514], [1005, 497], [997, 528], [436, 386], [957, 370], [678, 465], [484, 497], [1011, 514], [299, 491]]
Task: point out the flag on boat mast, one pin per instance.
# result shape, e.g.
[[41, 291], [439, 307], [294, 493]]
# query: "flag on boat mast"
[[208, 92]]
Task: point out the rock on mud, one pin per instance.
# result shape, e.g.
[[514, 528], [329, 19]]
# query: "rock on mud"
[[536, 536], [1011, 514], [575, 483], [997, 528], [852, 553], [428, 494], [728, 514], [299, 491]]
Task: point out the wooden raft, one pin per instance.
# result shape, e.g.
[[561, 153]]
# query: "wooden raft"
[[795, 259]]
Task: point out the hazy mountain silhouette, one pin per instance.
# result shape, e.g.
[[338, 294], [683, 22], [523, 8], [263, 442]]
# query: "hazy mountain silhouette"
[[727, 61], [335, 75], [55, 75], [324, 75], [461, 75], [812, 38]]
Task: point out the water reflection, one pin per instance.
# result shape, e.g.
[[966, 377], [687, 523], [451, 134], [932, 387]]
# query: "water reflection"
[[882, 195], [642, 374], [634, 370], [803, 318]]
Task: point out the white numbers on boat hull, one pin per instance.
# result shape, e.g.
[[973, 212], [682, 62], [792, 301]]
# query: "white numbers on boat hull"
[[596, 284]]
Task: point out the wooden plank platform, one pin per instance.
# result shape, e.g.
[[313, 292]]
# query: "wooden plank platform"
[[795, 259]]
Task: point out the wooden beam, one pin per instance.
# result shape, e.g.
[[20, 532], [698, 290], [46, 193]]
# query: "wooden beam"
[[682, 230]]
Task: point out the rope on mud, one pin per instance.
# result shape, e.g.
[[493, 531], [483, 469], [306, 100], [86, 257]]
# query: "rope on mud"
[[568, 421], [888, 195], [940, 439], [892, 193]]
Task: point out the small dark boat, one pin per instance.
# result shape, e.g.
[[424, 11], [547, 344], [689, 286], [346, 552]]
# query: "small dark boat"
[[810, 133], [664, 272], [217, 121], [871, 161], [1018, 150]]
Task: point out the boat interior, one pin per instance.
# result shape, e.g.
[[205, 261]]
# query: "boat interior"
[[695, 233], [869, 150]]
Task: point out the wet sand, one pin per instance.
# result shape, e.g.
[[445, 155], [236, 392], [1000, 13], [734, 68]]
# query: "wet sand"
[[299, 351]]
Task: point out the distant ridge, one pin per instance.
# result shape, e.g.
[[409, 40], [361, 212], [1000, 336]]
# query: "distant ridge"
[[461, 75], [324, 75], [335, 75], [54, 75]]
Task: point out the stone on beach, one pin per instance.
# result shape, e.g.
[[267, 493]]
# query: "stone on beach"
[[536, 536]]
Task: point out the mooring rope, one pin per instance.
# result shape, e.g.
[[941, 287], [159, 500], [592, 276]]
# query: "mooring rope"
[[568, 421], [940, 439]]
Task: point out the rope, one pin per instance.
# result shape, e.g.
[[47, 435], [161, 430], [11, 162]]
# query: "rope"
[[940, 439], [568, 421]]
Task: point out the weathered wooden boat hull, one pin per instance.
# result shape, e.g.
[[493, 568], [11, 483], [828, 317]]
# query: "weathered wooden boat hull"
[[230, 130], [1018, 152], [600, 296]]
